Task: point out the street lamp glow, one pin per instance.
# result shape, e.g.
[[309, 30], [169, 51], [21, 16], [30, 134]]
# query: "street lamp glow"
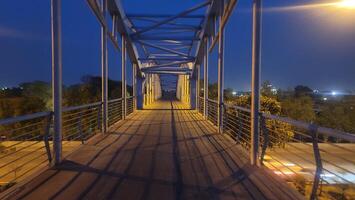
[[347, 4]]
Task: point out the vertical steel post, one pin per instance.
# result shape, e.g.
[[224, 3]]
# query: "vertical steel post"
[[104, 71], [205, 79], [56, 29], [134, 88], [123, 73], [197, 103], [220, 72], [255, 85]]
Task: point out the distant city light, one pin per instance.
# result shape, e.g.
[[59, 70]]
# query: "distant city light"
[[325, 98], [334, 93], [234, 93], [274, 90]]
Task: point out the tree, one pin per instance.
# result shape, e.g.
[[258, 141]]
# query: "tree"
[[337, 116], [299, 108], [301, 90], [40, 90], [279, 132]]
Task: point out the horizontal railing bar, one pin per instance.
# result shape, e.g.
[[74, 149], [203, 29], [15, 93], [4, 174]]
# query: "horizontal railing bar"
[[24, 118], [115, 100], [67, 109]]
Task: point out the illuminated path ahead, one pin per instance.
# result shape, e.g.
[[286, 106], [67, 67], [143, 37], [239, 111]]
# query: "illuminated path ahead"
[[165, 153]]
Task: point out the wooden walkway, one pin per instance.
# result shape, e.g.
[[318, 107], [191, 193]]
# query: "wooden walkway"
[[158, 153]]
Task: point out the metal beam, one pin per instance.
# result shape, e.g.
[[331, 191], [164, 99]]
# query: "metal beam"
[[167, 59], [96, 10], [161, 16], [225, 19], [199, 54], [163, 48], [169, 64], [189, 28], [123, 74], [220, 77], [104, 71], [178, 69], [56, 29], [164, 37], [255, 85], [168, 72], [198, 77], [184, 13], [205, 78], [134, 85]]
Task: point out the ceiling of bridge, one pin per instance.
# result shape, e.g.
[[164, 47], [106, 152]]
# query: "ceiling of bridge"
[[165, 34]]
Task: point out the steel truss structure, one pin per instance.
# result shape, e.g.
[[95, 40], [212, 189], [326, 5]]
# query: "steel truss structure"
[[176, 44]]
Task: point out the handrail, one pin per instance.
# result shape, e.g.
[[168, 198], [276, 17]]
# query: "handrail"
[[24, 118], [46, 113], [115, 100], [213, 101], [67, 109]]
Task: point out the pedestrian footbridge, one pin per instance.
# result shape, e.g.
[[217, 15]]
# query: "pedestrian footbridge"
[[158, 143]]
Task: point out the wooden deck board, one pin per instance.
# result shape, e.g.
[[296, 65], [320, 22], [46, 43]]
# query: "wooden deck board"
[[157, 153]]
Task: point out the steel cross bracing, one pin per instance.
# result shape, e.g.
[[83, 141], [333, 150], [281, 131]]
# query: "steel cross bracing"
[[166, 41]]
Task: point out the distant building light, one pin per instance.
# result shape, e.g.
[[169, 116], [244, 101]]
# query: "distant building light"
[[315, 91], [274, 90], [334, 93], [234, 93], [325, 98]]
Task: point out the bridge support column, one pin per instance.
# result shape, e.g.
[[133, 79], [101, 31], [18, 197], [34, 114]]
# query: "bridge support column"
[[205, 79], [220, 74], [124, 87], [255, 85], [104, 71], [134, 85], [197, 96], [56, 28]]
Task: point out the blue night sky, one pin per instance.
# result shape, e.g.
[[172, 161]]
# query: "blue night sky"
[[314, 47]]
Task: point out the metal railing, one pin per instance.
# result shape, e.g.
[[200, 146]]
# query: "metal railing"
[[26, 141], [25, 146], [115, 108], [130, 104], [317, 161], [212, 110], [201, 105]]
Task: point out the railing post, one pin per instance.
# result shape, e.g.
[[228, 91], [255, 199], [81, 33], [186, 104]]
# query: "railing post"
[[124, 87], [265, 138], [317, 157], [220, 70], [46, 136], [205, 79], [134, 87], [56, 29], [80, 129], [255, 94], [104, 71], [198, 87]]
